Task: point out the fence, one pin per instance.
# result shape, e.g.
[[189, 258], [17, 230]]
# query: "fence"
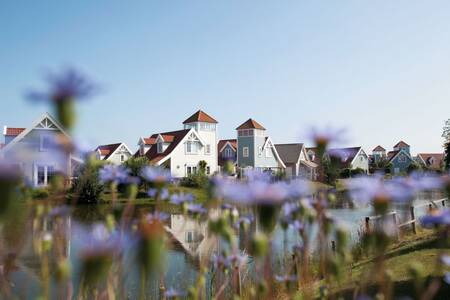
[[412, 214]]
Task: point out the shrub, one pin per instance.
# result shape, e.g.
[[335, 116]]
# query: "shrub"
[[198, 180], [87, 187], [40, 193]]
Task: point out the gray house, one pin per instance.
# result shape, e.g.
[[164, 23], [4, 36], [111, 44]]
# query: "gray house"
[[255, 149], [32, 150], [297, 161]]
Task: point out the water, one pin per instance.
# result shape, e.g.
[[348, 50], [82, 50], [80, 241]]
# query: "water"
[[189, 244]]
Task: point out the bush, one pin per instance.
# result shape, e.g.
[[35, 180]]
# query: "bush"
[[198, 180], [40, 193], [87, 187]]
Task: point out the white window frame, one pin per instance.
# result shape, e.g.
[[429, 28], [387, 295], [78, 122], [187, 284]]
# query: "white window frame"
[[269, 152], [122, 157], [208, 149], [46, 173], [245, 152]]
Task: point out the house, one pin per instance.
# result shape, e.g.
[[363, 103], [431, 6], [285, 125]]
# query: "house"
[[352, 158], [116, 153], [400, 158], [431, 161], [180, 151], [227, 152], [33, 150], [378, 154], [297, 161], [255, 149]]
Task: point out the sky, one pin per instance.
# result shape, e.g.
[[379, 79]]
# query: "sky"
[[381, 69]]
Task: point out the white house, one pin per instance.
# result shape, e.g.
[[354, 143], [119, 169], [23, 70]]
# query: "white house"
[[115, 153], [182, 150], [32, 150]]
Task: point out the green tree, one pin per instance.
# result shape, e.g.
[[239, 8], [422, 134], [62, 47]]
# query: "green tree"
[[87, 187], [447, 156], [136, 165]]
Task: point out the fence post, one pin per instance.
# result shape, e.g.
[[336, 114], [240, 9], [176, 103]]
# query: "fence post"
[[413, 220], [367, 224], [394, 216], [333, 246]]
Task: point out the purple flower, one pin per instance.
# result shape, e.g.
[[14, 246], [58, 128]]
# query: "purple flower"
[[285, 278], [196, 209], [436, 217], [97, 238], [296, 225], [246, 219], [447, 278], [172, 293], [256, 175], [341, 154], [446, 260], [156, 175], [157, 216], [298, 188], [68, 85], [181, 198], [113, 174], [326, 136], [163, 193], [289, 208]]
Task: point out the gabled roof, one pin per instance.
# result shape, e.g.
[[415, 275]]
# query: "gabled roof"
[[393, 154], [45, 117], [107, 150], [250, 124], [232, 142], [149, 141], [177, 136], [290, 153], [12, 131], [274, 148], [200, 116], [401, 144], [379, 149], [433, 160], [347, 155]]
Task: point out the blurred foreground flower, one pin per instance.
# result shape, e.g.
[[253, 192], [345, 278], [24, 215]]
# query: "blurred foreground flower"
[[326, 137], [65, 88], [113, 174], [436, 217], [157, 176]]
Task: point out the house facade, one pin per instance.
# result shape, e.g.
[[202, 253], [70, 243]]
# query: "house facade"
[[431, 161], [33, 151], [352, 158], [297, 161], [117, 153], [182, 150], [227, 152], [255, 149], [400, 158]]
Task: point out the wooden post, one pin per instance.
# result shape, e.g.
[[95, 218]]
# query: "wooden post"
[[237, 281], [394, 216], [413, 220], [367, 224]]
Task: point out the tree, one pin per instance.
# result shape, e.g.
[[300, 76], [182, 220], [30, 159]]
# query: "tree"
[[136, 164], [447, 156], [446, 131], [87, 187]]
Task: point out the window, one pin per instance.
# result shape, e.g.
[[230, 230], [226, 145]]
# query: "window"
[[192, 147], [260, 151], [227, 153], [43, 175], [268, 152], [160, 147], [208, 149], [208, 170], [401, 158], [45, 142], [245, 152], [122, 158], [189, 237]]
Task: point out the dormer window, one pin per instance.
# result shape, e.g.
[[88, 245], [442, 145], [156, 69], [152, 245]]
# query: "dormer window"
[[160, 148]]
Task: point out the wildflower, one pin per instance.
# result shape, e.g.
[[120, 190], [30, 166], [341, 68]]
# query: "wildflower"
[[298, 188], [113, 174], [285, 278], [172, 293], [157, 216], [158, 176], [181, 198], [297, 225], [256, 175], [436, 217], [326, 137], [150, 245], [446, 260], [64, 89], [196, 209]]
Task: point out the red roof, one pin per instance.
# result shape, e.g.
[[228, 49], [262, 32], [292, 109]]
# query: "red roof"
[[379, 148], [401, 144], [432, 160], [250, 124], [149, 141], [175, 137], [222, 143], [107, 150], [11, 131], [200, 116]]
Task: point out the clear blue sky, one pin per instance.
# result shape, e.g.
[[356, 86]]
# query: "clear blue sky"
[[380, 68]]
